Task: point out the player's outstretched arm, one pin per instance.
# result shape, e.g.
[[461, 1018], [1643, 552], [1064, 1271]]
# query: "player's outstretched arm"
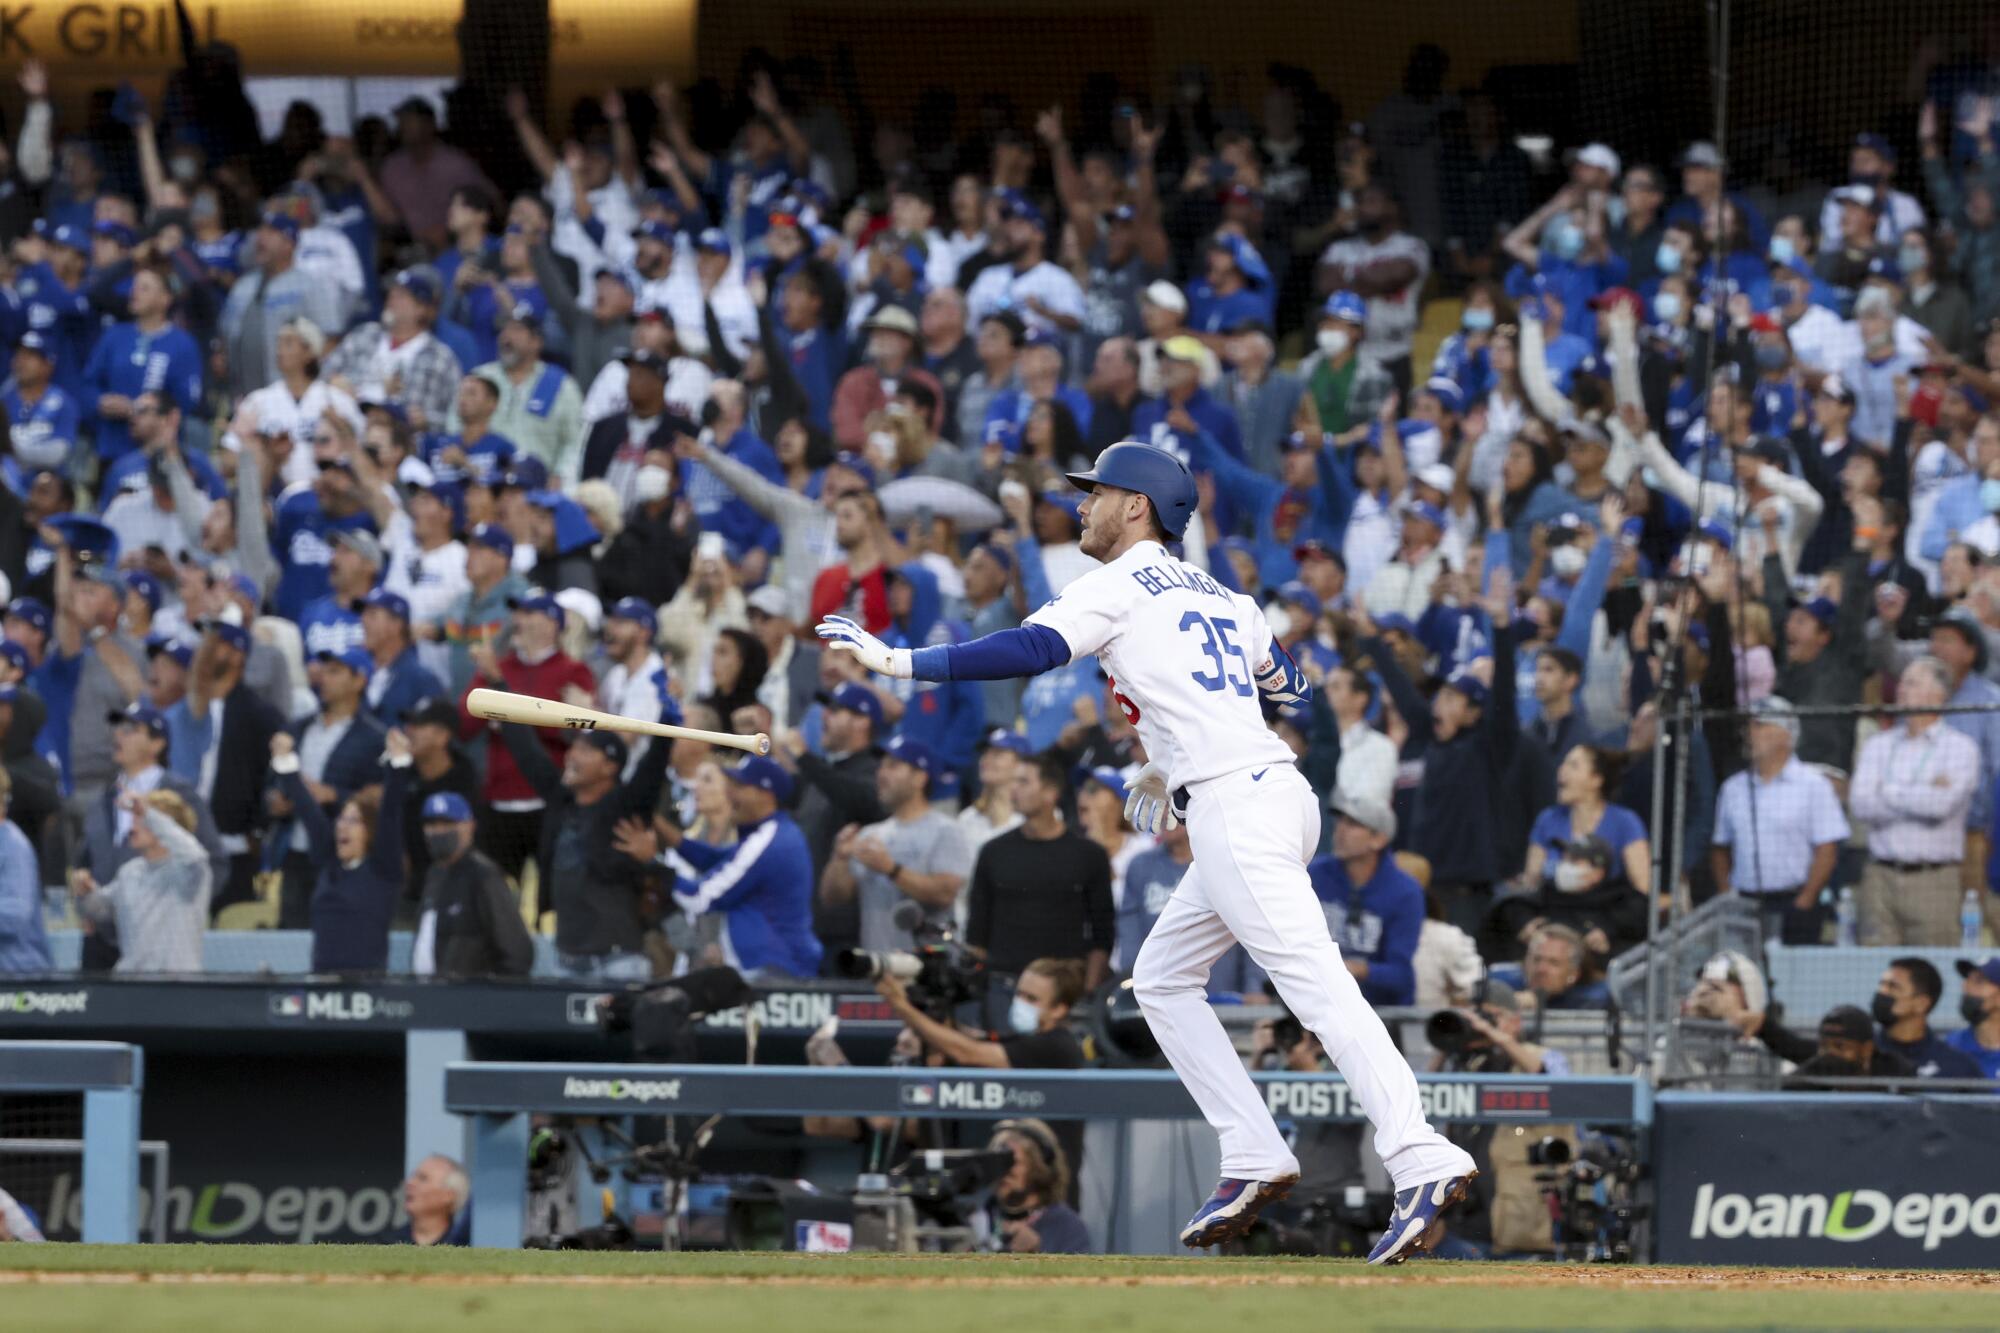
[[1027, 651]]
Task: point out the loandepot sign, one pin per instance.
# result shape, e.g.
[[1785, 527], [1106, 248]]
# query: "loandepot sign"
[[622, 1089], [1850, 1216]]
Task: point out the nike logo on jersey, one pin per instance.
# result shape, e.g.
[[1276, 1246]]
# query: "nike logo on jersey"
[[1258, 776]]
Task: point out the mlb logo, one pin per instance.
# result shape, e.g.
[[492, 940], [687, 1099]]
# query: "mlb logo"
[[920, 1094], [292, 1004], [822, 1237]]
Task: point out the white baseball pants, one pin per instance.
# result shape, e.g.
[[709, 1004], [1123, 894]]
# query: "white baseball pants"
[[1251, 838]]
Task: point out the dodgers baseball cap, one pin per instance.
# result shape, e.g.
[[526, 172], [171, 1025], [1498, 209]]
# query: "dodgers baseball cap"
[[1469, 685], [855, 698], [140, 714], [34, 342], [148, 587], [1986, 967], [645, 358], [714, 240], [610, 742], [1716, 531], [394, 603], [1428, 512], [1345, 305], [915, 753], [858, 465], [1448, 392], [32, 610], [356, 660], [423, 282], [235, 636], [493, 537], [764, 774], [283, 223], [635, 609], [1295, 593], [540, 602], [447, 806], [156, 646], [1004, 738], [432, 710], [1106, 777]]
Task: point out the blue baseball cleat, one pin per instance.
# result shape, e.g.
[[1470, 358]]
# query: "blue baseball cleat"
[[1232, 1209], [1418, 1221]]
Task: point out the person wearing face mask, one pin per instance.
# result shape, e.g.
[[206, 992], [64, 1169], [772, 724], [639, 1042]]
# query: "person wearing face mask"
[[617, 445], [1904, 999], [1979, 1005], [1038, 1034], [468, 924], [1461, 357], [1573, 257], [1871, 163], [1932, 297], [1347, 387]]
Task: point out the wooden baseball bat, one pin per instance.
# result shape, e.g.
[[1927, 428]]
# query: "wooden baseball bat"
[[503, 706]]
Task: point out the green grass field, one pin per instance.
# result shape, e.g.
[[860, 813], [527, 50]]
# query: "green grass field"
[[324, 1289]]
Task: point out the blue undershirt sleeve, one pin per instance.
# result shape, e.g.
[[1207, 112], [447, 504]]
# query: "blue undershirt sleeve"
[[1003, 655]]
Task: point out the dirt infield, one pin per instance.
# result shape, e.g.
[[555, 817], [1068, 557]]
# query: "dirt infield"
[[1633, 1277]]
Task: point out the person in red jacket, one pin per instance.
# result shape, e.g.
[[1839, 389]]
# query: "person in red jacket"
[[510, 823], [856, 585]]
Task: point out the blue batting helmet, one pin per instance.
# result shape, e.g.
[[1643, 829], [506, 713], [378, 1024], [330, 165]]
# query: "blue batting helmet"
[[1134, 465]]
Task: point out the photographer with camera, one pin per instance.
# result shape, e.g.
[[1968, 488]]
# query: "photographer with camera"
[[1048, 989], [1031, 1210]]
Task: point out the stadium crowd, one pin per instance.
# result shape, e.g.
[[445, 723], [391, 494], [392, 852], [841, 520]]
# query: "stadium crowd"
[[305, 438]]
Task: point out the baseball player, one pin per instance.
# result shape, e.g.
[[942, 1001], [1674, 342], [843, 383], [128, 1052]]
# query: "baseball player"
[[1187, 660]]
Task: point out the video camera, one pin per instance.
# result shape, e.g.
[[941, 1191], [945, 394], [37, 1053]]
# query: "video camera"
[[1591, 1188], [941, 974], [660, 1018], [1450, 1031]]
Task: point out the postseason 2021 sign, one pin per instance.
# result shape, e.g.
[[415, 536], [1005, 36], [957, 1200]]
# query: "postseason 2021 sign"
[[1828, 1180]]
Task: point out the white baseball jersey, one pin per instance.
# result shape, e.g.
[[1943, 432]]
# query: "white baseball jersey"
[[1181, 651]]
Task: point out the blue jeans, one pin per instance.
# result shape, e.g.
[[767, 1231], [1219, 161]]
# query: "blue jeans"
[[606, 967]]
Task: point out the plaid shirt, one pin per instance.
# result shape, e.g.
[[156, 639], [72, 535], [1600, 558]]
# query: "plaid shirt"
[[430, 374]]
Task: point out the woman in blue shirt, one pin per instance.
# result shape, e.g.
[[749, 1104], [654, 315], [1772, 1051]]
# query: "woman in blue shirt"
[[1582, 808]]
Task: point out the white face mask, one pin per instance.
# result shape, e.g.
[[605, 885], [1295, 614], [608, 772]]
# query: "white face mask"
[[1572, 877], [651, 484], [1566, 561], [1333, 342], [1023, 1017]]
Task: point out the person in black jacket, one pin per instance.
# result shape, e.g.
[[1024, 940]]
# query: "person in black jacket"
[[359, 856], [337, 752], [596, 890], [1467, 736], [616, 447], [437, 765], [650, 556], [236, 756], [1587, 893], [836, 788], [470, 925]]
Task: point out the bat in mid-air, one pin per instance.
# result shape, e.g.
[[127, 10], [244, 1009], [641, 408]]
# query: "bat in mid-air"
[[502, 706]]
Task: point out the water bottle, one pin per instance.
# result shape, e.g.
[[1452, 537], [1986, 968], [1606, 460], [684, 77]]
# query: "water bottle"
[[1969, 920], [1843, 916]]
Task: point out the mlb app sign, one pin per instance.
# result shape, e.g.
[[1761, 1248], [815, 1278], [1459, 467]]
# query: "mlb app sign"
[[338, 1006]]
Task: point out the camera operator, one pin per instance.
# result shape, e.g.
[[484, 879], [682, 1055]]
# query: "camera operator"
[[1048, 989], [1508, 1214], [1031, 1210]]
